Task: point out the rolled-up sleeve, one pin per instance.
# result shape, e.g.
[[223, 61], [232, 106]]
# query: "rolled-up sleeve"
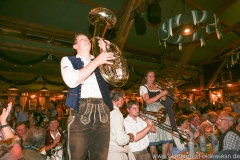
[[129, 128], [69, 74]]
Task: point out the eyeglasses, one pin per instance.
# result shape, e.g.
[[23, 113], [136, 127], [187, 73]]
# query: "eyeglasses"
[[221, 119]]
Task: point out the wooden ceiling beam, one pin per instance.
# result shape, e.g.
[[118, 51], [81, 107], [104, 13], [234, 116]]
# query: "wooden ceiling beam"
[[125, 25], [142, 7], [187, 54], [88, 2], [225, 5], [216, 73], [234, 43]]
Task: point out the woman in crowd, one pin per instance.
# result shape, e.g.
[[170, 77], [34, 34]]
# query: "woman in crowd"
[[151, 95]]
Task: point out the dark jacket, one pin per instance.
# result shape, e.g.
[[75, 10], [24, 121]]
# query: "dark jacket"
[[49, 139], [74, 94]]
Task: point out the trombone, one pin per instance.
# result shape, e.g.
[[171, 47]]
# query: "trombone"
[[161, 118]]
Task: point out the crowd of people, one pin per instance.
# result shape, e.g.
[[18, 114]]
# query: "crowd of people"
[[38, 135], [97, 127]]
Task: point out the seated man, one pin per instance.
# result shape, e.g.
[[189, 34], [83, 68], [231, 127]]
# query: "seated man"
[[118, 137], [194, 124], [21, 116], [209, 126], [21, 131], [54, 138], [140, 128], [230, 138], [33, 141]]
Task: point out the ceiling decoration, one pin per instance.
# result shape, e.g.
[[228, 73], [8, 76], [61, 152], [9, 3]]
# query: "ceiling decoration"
[[234, 56], [188, 27], [30, 30], [43, 58], [33, 80]]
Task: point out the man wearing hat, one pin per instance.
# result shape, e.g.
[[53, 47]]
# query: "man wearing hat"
[[54, 136]]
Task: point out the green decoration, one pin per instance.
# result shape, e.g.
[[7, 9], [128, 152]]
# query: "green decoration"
[[31, 81], [28, 63], [205, 22]]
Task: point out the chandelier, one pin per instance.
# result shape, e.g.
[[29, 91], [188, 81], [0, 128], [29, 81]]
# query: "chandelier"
[[188, 27]]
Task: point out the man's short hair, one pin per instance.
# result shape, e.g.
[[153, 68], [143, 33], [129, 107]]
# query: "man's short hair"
[[211, 114], [21, 123], [116, 93], [18, 105], [130, 103], [204, 101], [192, 116], [181, 119], [230, 116], [35, 137], [75, 37], [54, 103]]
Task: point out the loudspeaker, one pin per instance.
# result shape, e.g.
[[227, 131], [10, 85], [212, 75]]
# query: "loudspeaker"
[[154, 13], [140, 25]]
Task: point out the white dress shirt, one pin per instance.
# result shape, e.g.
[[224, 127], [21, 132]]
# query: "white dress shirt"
[[89, 87], [132, 126], [177, 141], [118, 136]]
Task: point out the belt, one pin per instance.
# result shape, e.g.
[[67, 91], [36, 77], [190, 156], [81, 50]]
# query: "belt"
[[143, 151], [92, 100]]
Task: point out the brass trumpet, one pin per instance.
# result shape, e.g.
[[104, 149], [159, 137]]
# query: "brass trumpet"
[[161, 118]]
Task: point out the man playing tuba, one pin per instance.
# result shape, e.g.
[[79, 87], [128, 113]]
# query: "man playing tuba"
[[88, 99]]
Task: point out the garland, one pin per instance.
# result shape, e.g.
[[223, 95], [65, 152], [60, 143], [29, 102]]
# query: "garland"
[[39, 77], [47, 56]]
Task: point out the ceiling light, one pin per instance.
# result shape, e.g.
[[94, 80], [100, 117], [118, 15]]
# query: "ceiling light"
[[229, 85], [187, 30], [13, 88], [44, 89], [65, 90], [134, 92]]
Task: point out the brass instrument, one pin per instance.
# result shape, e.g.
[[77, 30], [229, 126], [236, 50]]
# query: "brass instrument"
[[161, 118], [160, 114], [116, 74], [168, 85]]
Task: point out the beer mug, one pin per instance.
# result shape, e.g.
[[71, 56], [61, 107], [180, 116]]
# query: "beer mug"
[[214, 140], [203, 144], [192, 148]]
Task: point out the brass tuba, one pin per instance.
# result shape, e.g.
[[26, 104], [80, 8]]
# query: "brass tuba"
[[168, 85], [116, 74]]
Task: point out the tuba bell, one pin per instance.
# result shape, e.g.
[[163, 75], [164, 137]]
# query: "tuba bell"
[[168, 85], [116, 74]]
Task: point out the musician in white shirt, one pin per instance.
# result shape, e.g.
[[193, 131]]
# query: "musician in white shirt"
[[140, 128]]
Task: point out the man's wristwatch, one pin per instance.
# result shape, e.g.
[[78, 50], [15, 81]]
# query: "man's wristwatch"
[[2, 126]]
